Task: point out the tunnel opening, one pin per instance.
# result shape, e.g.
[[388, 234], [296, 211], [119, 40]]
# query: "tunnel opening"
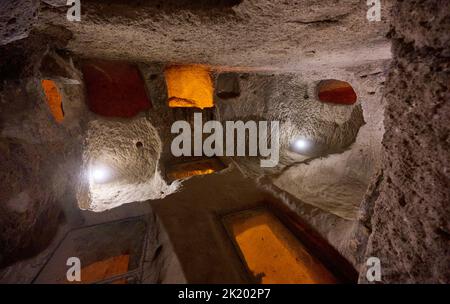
[[336, 92], [114, 88], [189, 168], [109, 252], [53, 99], [271, 253], [189, 86]]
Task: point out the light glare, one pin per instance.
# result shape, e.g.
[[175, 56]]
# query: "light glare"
[[100, 174], [301, 144]]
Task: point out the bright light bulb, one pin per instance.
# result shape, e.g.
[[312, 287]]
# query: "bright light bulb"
[[100, 174]]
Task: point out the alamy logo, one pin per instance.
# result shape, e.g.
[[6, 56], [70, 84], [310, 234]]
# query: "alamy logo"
[[74, 272], [74, 11], [373, 273], [215, 144], [374, 12]]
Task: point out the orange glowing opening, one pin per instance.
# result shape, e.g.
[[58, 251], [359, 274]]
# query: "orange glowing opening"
[[272, 253], [193, 168], [54, 99], [105, 269], [186, 174], [336, 91], [189, 86]]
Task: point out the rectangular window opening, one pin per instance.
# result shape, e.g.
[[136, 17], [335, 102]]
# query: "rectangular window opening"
[[271, 253]]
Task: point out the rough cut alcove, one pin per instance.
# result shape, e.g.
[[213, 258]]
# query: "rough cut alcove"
[[114, 88]]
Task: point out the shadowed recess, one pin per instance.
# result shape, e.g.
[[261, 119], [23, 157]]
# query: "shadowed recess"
[[336, 91], [114, 88]]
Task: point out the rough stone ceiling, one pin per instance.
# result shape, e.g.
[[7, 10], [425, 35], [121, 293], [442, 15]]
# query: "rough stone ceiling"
[[256, 35]]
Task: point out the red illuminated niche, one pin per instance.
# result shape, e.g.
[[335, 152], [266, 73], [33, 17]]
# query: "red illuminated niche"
[[114, 88], [336, 91]]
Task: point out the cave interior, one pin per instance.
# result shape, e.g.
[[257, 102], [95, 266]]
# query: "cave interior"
[[87, 110]]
